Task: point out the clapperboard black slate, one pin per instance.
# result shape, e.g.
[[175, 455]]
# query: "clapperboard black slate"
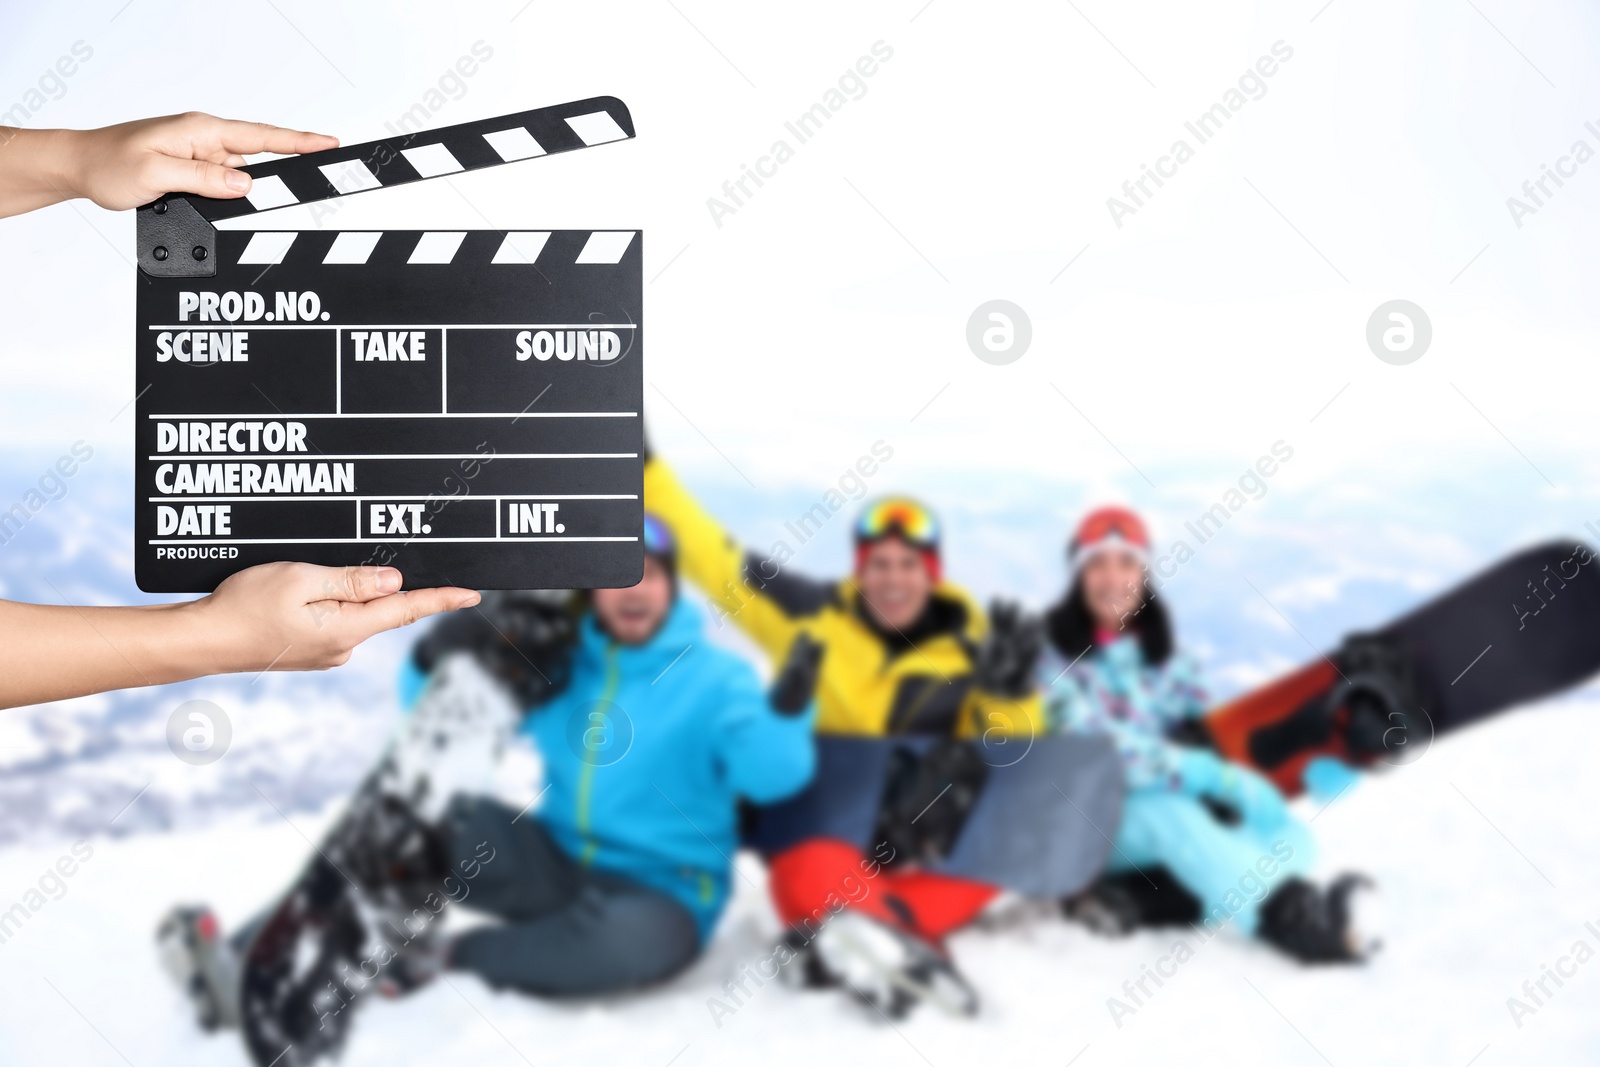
[[463, 405]]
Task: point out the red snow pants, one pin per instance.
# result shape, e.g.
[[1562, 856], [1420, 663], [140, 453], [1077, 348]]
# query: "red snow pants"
[[816, 877]]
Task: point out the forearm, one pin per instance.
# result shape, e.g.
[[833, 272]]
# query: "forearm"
[[273, 616], [707, 554], [35, 169], [714, 561], [51, 652]]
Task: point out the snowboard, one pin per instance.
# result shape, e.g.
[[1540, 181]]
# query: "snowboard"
[[350, 914], [1038, 822], [1523, 629]]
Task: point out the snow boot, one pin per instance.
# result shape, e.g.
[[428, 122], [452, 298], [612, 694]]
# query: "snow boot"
[[1118, 904], [203, 963], [1106, 908], [1314, 925], [890, 969]]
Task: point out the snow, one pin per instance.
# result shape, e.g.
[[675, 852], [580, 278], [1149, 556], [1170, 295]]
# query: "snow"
[[1480, 848], [1470, 918]]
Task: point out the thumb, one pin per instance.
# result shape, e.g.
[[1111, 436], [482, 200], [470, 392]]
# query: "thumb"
[[173, 175], [359, 584], [402, 609]]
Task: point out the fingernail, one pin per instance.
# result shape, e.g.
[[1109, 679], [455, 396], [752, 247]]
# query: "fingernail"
[[388, 580], [237, 180], [468, 599]]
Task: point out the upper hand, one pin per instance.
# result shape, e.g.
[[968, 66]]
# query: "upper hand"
[[796, 683], [133, 163], [1009, 653], [296, 616]]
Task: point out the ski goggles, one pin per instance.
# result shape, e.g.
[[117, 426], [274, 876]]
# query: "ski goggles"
[[1111, 524], [900, 517], [657, 538]]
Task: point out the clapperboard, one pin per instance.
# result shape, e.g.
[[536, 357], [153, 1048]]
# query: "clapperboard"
[[463, 405]]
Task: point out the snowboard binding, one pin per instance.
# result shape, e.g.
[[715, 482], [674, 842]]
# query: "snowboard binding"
[[1373, 708], [523, 638], [888, 969], [301, 971], [392, 854], [1381, 701]]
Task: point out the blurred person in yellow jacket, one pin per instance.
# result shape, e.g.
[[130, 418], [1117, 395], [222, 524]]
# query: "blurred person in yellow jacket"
[[906, 653]]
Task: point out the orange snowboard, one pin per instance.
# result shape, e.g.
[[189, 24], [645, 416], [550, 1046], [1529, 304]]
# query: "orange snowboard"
[[1232, 724]]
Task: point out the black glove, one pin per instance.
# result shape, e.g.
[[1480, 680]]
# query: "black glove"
[[522, 638], [1008, 655], [927, 798], [796, 683]]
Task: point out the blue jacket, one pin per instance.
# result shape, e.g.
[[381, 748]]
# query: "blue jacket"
[[647, 751]]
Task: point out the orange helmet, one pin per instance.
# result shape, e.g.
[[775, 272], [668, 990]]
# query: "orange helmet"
[[1107, 528]]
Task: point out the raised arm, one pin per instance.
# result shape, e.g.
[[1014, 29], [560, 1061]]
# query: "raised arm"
[[758, 596]]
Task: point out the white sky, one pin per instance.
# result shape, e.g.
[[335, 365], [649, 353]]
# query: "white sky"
[[832, 307]]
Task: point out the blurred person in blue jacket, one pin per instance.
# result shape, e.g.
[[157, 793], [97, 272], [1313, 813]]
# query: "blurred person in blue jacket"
[[617, 879], [1202, 839]]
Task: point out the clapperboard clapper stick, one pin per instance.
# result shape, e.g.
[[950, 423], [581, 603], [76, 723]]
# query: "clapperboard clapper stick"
[[462, 405]]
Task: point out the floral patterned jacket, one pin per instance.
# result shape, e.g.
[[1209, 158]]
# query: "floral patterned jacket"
[[1111, 691]]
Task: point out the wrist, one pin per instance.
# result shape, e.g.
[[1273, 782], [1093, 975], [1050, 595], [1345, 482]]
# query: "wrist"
[[201, 640], [58, 152]]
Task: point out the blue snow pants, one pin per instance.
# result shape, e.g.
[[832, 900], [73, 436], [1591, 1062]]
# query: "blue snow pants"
[[1231, 869]]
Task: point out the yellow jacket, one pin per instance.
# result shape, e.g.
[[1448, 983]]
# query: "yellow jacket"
[[871, 683]]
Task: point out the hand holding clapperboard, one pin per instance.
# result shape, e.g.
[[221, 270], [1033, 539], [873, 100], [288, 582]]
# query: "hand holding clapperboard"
[[454, 409]]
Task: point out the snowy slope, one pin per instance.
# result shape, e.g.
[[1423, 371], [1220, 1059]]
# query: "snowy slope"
[[1469, 917]]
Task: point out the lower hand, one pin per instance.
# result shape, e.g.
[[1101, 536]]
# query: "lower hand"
[[296, 616]]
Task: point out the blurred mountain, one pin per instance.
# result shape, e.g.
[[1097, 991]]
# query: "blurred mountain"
[[1287, 574]]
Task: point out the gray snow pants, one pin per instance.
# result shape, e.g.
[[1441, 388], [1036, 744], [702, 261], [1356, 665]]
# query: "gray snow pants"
[[567, 930]]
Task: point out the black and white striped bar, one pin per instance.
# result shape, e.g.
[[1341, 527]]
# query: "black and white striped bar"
[[175, 237], [426, 154], [433, 247]]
